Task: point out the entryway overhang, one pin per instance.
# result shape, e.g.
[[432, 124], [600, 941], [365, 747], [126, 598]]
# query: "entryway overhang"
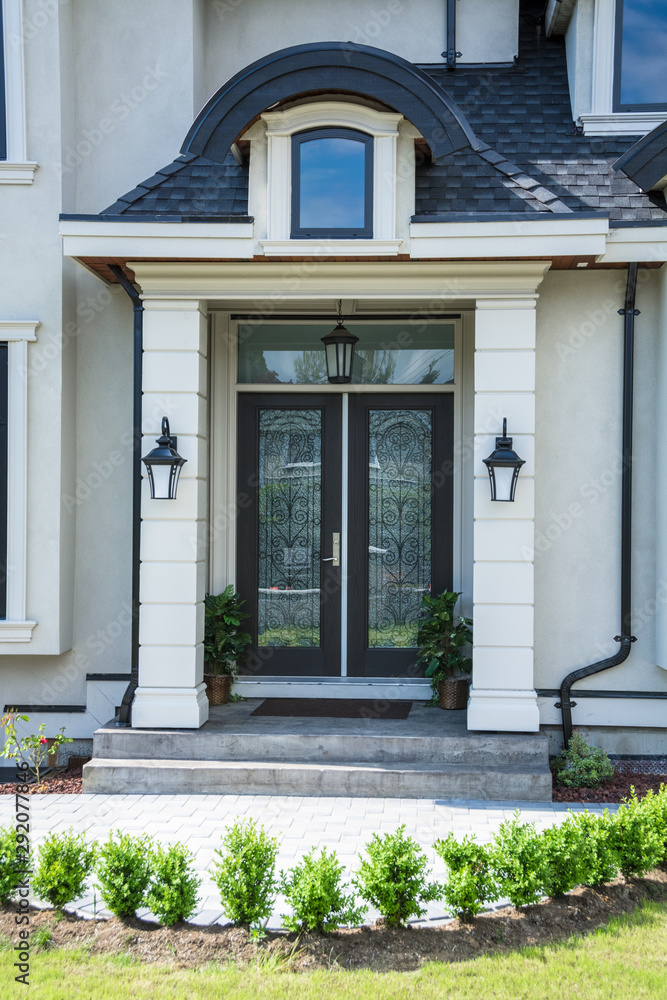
[[177, 297]]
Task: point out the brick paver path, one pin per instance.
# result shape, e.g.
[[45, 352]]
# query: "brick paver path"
[[345, 824]]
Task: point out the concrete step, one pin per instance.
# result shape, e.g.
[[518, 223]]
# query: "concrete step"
[[363, 778], [269, 744]]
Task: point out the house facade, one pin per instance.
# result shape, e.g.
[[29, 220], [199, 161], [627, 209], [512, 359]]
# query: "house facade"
[[193, 193]]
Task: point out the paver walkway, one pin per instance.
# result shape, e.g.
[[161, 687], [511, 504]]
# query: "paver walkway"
[[345, 824]]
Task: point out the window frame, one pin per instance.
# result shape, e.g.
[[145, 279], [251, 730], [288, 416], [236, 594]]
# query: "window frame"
[[332, 132], [617, 105]]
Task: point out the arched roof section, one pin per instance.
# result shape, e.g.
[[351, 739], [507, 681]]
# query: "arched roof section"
[[337, 66]]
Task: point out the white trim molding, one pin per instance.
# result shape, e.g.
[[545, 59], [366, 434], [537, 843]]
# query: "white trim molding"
[[82, 238], [331, 248], [282, 125], [622, 122], [525, 238], [16, 169], [17, 334]]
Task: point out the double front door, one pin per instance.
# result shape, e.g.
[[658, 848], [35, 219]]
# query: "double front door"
[[344, 523]]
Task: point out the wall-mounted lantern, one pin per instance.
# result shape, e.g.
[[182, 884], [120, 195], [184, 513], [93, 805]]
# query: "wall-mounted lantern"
[[339, 348], [164, 465], [503, 465]]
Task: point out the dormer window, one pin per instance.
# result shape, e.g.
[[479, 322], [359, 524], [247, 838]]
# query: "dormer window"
[[331, 179], [332, 184], [640, 72]]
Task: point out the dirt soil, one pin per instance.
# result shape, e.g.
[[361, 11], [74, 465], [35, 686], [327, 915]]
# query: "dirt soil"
[[376, 947], [68, 782]]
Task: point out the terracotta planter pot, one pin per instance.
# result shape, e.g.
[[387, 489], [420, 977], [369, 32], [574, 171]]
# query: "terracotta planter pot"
[[218, 687], [454, 693]]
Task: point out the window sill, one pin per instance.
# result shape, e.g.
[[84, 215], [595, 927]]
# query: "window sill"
[[17, 173], [622, 123], [331, 248], [11, 631]]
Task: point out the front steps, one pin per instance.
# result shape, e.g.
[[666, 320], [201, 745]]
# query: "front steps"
[[428, 755]]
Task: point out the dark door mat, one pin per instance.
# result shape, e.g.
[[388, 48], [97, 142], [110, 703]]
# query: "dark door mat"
[[333, 708]]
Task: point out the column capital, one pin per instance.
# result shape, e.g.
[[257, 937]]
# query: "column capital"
[[158, 304], [524, 302]]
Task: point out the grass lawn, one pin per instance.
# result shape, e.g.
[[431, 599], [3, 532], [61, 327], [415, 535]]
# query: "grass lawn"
[[626, 959]]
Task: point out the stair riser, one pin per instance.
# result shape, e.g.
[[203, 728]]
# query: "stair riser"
[[120, 778], [496, 751]]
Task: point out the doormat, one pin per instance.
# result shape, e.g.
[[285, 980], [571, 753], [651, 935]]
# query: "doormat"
[[333, 708]]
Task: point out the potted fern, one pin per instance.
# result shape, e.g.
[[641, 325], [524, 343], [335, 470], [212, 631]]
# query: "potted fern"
[[224, 643], [442, 639]]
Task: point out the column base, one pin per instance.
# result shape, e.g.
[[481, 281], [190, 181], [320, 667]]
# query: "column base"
[[170, 708], [503, 711]]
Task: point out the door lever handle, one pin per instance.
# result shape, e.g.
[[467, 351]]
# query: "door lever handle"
[[335, 558]]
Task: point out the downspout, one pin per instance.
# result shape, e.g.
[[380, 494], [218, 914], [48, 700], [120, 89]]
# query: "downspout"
[[625, 638], [451, 55], [125, 714]]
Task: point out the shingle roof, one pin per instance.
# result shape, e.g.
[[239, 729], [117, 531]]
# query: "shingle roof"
[[533, 160], [190, 186], [524, 114]]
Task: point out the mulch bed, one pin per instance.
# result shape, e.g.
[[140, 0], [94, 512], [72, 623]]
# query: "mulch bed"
[[70, 783], [378, 947], [612, 791]]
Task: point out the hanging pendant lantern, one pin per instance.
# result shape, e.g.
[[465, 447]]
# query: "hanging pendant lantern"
[[339, 349], [164, 465], [503, 466]]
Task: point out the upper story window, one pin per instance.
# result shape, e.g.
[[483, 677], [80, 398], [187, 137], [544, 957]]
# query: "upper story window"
[[330, 174], [640, 69], [3, 106], [332, 183]]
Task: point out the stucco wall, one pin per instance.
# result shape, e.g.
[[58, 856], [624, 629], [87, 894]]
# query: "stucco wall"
[[134, 99], [577, 478], [579, 46]]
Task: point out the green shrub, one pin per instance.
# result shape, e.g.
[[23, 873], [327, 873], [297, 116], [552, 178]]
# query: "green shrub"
[[393, 878], [246, 872], [317, 895], [64, 864], [520, 862], [123, 872], [567, 857], [470, 882], [601, 859], [638, 842], [655, 804], [173, 887], [582, 765], [12, 864]]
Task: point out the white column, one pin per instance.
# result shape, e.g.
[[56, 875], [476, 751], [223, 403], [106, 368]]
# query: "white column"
[[171, 692], [502, 696]]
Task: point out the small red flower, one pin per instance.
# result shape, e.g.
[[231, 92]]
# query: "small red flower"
[[43, 739]]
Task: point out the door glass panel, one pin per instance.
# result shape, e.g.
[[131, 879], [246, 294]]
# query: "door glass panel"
[[388, 353], [399, 524], [290, 492]]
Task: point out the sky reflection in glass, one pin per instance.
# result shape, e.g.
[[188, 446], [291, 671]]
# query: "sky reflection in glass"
[[644, 52], [332, 184]]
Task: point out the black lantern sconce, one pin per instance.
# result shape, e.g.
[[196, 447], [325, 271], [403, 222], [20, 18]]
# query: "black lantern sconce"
[[339, 348], [164, 465], [503, 465]]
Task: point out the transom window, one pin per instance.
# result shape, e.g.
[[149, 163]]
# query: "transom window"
[[389, 352], [332, 183], [640, 70]]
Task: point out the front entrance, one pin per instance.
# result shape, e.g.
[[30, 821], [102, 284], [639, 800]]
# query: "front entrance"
[[345, 521]]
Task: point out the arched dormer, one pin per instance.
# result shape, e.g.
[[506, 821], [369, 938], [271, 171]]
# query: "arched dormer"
[[329, 66]]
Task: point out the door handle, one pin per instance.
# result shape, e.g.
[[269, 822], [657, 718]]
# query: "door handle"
[[335, 558]]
